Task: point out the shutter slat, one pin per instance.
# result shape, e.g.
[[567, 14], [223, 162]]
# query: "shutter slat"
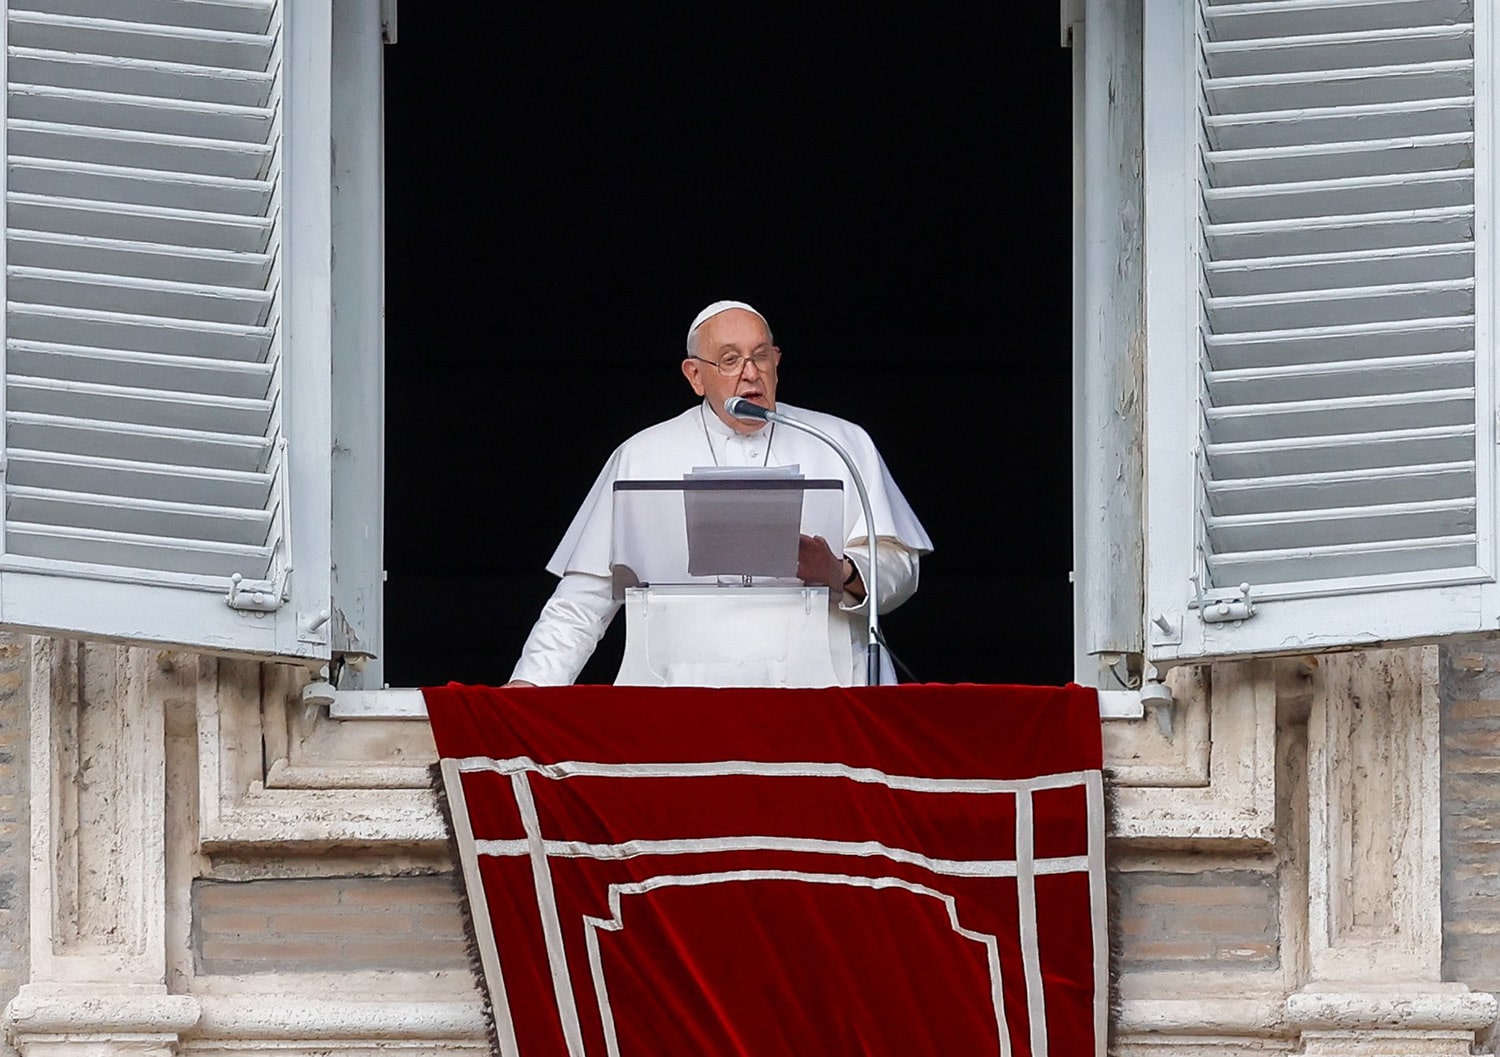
[[108, 403], [1313, 491], [138, 150], [1395, 302], [1238, 533], [1320, 161], [162, 41], [1380, 559], [1326, 344], [126, 440], [50, 323], [1274, 18], [1248, 423], [1339, 124], [138, 113], [1341, 196], [174, 80], [1348, 378], [104, 476], [1348, 268], [164, 373], [1396, 83], [147, 260], [136, 516], [1341, 451], [1319, 52], [1281, 237], [195, 302], [165, 224], [99, 547], [94, 182], [240, 16]]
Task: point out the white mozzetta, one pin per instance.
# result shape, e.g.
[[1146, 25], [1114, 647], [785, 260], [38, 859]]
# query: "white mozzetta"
[[1320, 236], [167, 250]]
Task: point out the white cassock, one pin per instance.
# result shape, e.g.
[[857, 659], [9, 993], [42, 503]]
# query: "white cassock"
[[579, 611]]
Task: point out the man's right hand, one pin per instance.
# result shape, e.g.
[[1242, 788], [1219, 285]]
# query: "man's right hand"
[[515, 683]]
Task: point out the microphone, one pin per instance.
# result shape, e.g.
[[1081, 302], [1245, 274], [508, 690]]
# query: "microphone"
[[739, 407]]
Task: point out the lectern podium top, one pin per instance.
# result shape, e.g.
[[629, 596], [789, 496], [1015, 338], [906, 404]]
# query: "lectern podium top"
[[721, 526]]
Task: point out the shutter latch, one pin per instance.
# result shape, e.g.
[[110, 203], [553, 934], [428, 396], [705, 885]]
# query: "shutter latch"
[[254, 596], [1220, 611]]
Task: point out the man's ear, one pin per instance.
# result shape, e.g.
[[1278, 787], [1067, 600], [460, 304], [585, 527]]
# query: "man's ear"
[[690, 372]]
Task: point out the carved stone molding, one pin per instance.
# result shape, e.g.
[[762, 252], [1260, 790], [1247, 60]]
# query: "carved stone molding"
[[1227, 735], [273, 771]]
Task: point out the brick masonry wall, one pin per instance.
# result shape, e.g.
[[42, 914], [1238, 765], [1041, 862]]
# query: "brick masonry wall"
[[1221, 920], [14, 826], [327, 924], [1471, 814]]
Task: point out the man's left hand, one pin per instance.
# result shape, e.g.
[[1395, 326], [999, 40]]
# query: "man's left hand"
[[817, 565]]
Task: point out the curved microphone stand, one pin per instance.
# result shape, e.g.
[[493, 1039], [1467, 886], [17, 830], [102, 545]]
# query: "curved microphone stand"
[[741, 408]]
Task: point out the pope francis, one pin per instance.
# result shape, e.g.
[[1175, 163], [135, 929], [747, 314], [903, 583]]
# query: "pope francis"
[[730, 352]]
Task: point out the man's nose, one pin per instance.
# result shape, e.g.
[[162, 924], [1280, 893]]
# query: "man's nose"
[[749, 369]]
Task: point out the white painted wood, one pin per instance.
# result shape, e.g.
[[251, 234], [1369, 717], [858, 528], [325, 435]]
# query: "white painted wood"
[[1319, 368], [358, 339], [1110, 342], [1170, 62]]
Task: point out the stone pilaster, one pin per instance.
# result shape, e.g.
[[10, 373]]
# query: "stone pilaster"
[[97, 870], [1374, 948]]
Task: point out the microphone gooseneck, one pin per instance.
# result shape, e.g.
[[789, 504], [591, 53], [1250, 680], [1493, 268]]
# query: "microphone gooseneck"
[[739, 407]]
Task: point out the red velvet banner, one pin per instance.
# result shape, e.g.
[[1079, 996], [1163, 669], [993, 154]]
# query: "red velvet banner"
[[887, 872]]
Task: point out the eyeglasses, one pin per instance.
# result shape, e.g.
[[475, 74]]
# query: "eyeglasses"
[[734, 363]]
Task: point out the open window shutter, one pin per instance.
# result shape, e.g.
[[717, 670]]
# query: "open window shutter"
[[166, 349], [1319, 367]]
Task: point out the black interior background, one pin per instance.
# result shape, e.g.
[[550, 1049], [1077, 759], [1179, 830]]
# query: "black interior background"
[[569, 183]]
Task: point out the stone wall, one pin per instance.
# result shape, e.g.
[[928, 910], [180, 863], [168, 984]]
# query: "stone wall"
[[220, 867], [348, 924], [14, 844], [1212, 920], [1471, 815]]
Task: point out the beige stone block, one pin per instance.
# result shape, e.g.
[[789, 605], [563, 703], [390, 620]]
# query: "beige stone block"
[[1246, 952], [426, 892], [220, 922], [1169, 950], [303, 923], [1200, 895], [1476, 708], [283, 955], [270, 894], [1472, 927], [382, 953]]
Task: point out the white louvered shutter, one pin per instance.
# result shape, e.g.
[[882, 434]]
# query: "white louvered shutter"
[[1320, 365], [166, 351]]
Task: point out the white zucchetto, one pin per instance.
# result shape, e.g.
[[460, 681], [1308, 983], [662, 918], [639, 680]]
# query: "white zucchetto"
[[713, 310]]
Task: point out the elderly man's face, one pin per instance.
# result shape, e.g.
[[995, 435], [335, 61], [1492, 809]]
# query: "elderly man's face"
[[731, 334]]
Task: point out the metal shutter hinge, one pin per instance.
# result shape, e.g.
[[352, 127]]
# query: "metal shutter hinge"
[[1220, 611], [254, 596]]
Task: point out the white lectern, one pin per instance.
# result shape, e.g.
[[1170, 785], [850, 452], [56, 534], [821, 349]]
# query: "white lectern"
[[707, 569]]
